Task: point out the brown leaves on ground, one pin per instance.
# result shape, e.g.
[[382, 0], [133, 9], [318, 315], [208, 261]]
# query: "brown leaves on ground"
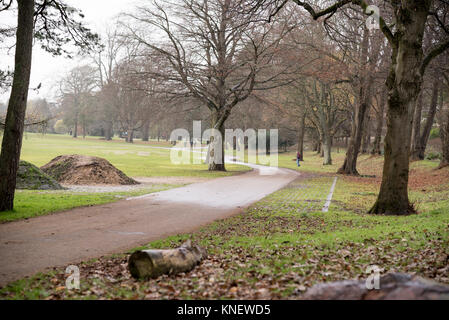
[[421, 177], [285, 270]]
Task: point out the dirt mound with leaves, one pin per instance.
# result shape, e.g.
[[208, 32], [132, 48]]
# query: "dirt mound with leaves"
[[30, 177], [85, 170]]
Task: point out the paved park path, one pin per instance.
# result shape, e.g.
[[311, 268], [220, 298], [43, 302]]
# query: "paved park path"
[[62, 239]]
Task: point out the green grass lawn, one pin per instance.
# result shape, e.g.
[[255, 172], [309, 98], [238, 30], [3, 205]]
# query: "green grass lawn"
[[135, 160], [284, 244]]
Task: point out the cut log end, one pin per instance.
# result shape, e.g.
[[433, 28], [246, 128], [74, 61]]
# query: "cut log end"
[[154, 263]]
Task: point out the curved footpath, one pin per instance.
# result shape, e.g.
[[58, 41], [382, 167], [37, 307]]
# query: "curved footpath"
[[62, 239]]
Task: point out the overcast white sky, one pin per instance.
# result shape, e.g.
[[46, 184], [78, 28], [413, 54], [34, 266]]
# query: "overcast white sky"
[[99, 14]]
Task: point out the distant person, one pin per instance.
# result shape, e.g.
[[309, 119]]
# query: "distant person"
[[298, 158]]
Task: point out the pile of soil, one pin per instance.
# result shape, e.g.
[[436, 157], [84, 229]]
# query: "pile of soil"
[[85, 170], [30, 177]]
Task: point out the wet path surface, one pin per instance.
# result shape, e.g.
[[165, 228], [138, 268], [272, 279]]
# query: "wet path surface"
[[61, 239]]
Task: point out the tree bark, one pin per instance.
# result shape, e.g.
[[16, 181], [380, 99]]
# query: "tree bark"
[[379, 125], [218, 123], [367, 134], [155, 263], [84, 128], [75, 128], [130, 135], [301, 131], [444, 135], [108, 133], [349, 166], [327, 150], [419, 150], [146, 131], [416, 130], [15, 117], [404, 84]]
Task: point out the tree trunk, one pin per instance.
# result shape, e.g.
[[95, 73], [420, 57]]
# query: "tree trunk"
[[301, 131], [130, 135], [355, 140], [15, 117], [404, 84], [108, 133], [327, 150], [416, 130], [367, 135], [444, 135], [75, 128], [379, 125], [146, 131], [216, 165], [155, 263], [218, 123], [84, 128], [419, 150]]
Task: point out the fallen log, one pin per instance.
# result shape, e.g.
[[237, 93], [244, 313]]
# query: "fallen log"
[[154, 263]]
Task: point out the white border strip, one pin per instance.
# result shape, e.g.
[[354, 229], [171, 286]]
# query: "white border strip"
[[329, 197]]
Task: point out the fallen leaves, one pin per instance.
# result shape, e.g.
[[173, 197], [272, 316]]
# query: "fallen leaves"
[[271, 252]]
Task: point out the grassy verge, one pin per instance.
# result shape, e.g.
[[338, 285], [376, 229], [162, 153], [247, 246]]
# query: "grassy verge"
[[284, 244]]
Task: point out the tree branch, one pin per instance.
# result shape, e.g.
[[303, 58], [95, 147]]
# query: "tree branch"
[[433, 54]]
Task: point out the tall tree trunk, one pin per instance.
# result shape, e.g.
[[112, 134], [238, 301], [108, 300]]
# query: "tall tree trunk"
[[75, 127], [404, 84], [15, 117], [416, 130], [108, 132], [349, 166], [84, 128], [301, 131], [218, 123], [419, 150], [315, 141], [146, 131], [367, 134], [444, 134], [327, 150], [318, 148], [379, 125], [130, 135]]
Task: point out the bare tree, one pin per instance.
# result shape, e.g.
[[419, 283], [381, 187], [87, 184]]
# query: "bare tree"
[[106, 61], [216, 56], [76, 90], [409, 63], [54, 24]]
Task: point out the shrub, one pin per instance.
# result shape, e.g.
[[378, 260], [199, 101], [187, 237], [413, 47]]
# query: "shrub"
[[434, 133], [434, 156]]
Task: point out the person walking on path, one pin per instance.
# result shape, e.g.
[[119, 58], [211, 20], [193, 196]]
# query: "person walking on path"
[[298, 158]]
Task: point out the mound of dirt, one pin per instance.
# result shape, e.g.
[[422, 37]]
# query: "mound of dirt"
[[30, 177], [85, 170]]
